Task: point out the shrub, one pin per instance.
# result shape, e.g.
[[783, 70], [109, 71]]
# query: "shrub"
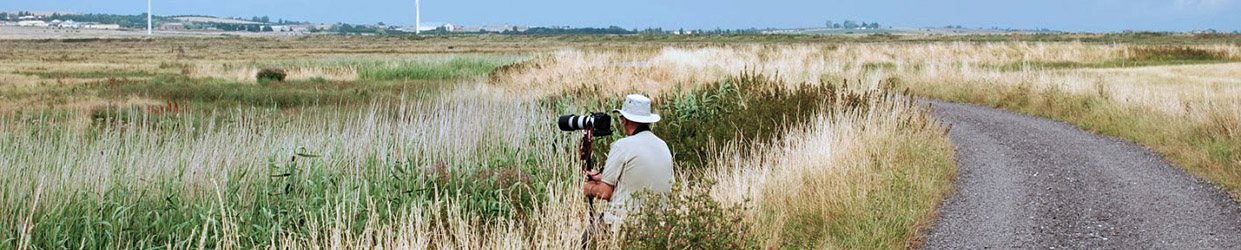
[[408, 70], [1174, 53], [686, 218], [746, 108], [271, 74]]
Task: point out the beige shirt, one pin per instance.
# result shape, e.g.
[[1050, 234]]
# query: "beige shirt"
[[637, 162]]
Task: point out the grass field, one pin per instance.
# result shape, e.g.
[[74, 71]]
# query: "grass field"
[[447, 142]]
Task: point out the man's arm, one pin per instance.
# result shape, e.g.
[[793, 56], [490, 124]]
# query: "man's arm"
[[601, 185], [597, 189]]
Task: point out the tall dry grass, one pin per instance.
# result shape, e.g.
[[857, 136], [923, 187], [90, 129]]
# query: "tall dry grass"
[[136, 178], [853, 178], [669, 68]]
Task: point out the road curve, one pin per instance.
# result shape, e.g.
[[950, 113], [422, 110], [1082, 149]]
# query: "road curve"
[[1029, 182]]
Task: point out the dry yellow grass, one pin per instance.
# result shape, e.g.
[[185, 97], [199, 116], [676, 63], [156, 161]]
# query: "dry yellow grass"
[[831, 184]]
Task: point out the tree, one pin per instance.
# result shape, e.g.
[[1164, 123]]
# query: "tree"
[[829, 23], [850, 24], [381, 24], [837, 26], [268, 29], [265, 19]]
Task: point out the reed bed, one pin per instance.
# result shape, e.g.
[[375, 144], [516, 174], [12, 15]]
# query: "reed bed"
[[330, 178]]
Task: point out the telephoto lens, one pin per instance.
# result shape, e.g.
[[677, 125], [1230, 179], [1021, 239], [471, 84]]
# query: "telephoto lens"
[[574, 122], [599, 123]]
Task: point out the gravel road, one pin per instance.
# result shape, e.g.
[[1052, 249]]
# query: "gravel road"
[[1029, 182]]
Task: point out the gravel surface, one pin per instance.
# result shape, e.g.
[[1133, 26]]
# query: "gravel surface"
[[1029, 182]]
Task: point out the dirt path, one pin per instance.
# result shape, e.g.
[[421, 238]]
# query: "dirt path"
[[1028, 182]]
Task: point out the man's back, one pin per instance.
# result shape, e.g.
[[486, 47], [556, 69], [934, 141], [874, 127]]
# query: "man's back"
[[641, 161]]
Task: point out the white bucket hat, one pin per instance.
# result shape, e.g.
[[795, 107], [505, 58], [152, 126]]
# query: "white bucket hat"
[[637, 108]]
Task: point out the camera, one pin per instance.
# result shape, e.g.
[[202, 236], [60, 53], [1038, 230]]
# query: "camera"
[[599, 123]]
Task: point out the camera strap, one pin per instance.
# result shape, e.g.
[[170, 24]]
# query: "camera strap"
[[641, 129]]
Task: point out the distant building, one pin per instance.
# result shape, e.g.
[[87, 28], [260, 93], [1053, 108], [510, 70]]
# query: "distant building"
[[490, 28], [426, 26], [1204, 31], [300, 27], [70, 24], [99, 26], [32, 23]]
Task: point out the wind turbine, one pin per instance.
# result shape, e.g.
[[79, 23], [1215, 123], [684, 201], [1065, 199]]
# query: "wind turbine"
[[417, 16], [149, 29]]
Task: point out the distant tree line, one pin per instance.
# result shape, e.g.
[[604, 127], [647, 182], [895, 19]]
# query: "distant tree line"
[[264, 25], [850, 24], [230, 26], [11, 16], [610, 30], [345, 28], [719, 31], [125, 21], [263, 19]]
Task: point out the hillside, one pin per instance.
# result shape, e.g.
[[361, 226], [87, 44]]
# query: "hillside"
[[206, 19]]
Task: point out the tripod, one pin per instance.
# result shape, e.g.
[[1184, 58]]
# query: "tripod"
[[587, 165]]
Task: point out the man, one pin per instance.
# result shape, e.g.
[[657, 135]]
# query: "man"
[[639, 161]]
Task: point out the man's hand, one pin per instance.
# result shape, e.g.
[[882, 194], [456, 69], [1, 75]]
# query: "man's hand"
[[597, 189], [592, 175]]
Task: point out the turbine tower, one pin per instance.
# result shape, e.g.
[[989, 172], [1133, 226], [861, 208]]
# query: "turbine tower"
[[149, 30], [417, 16]]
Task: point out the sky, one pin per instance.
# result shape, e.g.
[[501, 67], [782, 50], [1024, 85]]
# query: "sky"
[[1065, 15]]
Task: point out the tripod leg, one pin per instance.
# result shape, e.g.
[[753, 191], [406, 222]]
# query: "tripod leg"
[[588, 234]]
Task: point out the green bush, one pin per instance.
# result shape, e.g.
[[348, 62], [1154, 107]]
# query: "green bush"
[[742, 109], [1174, 53], [686, 218], [412, 70], [747, 108], [271, 74]]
